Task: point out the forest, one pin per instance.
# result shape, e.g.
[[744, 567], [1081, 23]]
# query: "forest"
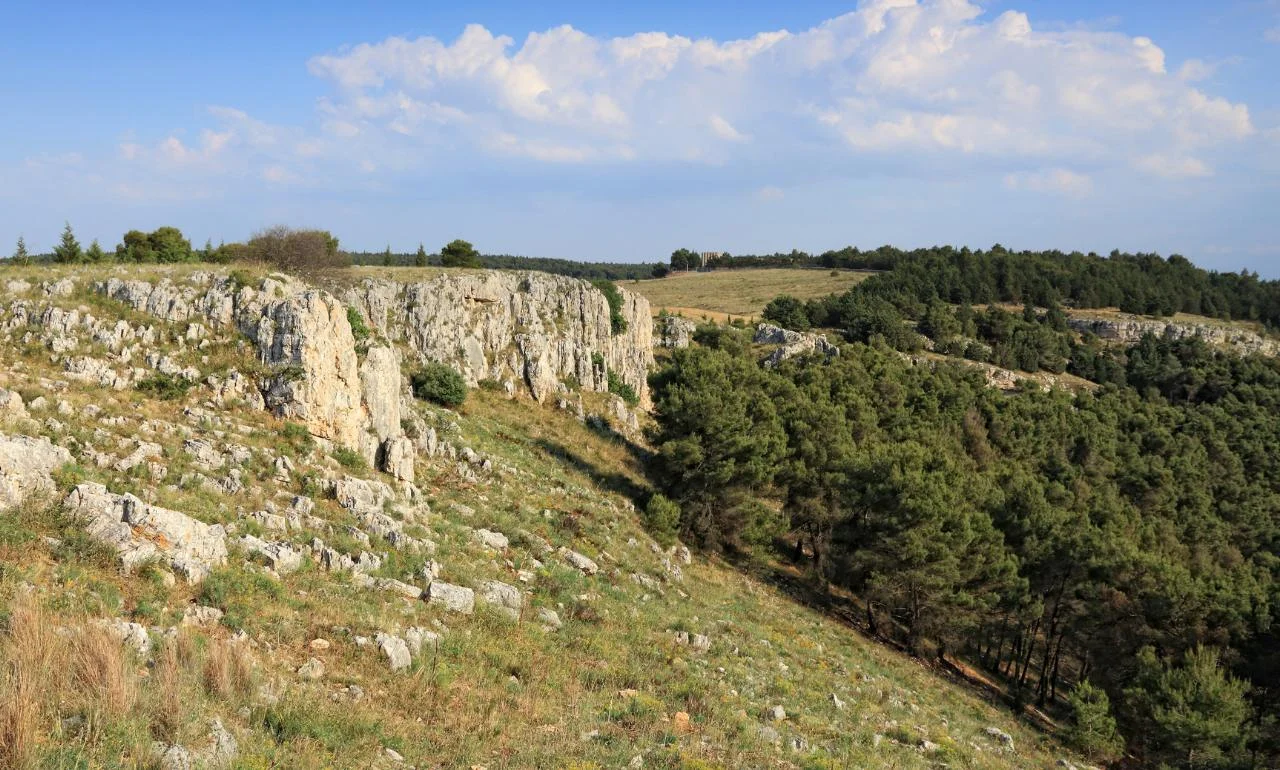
[[1110, 557]]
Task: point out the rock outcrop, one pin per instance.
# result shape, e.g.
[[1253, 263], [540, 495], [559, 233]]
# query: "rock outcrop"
[[319, 384], [25, 467], [1129, 329], [791, 344], [672, 331], [535, 328], [140, 532]]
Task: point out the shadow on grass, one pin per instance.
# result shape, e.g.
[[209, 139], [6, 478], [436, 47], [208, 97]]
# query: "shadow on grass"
[[615, 482]]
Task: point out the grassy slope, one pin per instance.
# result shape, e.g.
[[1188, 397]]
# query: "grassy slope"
[[608, 686], [739, 292]]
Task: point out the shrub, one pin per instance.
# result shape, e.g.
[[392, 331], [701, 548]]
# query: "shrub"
[[350, 459], [439, 384], [167, 387], [296, 251], [617, 322], [358, 328], [662, 518], [620, 388]]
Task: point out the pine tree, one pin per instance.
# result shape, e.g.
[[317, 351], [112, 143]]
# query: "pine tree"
[[95, 252], [68, 250], [20, 255], [1191, 715], [1092, 729], [386, 256], [420, 259]]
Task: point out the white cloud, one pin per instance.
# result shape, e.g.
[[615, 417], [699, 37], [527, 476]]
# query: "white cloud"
[[890, 78], [1173, 166], [1272, 35], [770, 193], [725, 130], [919, 84], [1056, 180]]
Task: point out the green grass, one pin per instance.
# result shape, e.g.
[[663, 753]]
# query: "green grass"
[[741, 293]]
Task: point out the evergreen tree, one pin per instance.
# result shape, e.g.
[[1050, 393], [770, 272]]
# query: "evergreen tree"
[[20, 255], [1092, 729], [420, 258], [1188, 716], [95, 253], [68, 249], [460, 253], [386, 257]]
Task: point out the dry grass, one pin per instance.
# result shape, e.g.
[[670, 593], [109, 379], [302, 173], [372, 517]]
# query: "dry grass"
[[29, 653], [742, 293], [228, 670]]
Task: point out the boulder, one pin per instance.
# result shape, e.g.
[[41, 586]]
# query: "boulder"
[[673, 331], [579, 561], [453, 598], [395, 650], [26, 465], [490, 539], [502, 596], [395, 457], [308, 339], [139, 531]]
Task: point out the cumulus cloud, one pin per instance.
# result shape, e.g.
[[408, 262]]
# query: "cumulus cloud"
[[1272, 35], [916, 83], [892, 77]]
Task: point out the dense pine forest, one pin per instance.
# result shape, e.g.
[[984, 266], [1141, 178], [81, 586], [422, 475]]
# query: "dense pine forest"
[[1109, 556]]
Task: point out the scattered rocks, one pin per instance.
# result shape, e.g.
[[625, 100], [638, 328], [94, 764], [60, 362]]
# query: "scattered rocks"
[[775, 714]]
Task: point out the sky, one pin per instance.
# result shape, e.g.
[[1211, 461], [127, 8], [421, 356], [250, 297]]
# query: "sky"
[[617, 132]]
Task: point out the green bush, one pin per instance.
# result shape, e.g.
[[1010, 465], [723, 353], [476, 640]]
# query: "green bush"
[[439, 384], [617, 322], [350, 459], [662, 518], [620, 388], [358, 328], [167, 387]]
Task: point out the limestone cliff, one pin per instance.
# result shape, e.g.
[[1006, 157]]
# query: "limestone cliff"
[[534, 328], [537, 329]]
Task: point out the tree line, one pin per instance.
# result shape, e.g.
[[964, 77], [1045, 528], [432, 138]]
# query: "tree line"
[[1110, 556], [1144, 284]]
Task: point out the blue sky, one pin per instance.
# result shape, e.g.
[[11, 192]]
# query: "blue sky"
[[621, 132]]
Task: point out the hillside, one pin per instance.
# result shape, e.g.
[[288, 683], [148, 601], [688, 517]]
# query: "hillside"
[[488, 598]]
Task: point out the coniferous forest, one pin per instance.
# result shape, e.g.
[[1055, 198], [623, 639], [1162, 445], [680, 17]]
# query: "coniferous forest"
[[1110, 556]]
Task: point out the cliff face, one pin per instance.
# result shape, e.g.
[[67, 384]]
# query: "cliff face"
[[530, 328], [1130, 329], [533, 328]]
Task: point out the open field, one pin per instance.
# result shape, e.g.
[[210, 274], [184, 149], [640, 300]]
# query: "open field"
[[740, 292]]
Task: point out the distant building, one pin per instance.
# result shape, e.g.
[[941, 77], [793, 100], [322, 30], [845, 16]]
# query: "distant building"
[[707, 256]]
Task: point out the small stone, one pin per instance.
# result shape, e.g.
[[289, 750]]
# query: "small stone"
[[393, 755], [311, 670], [453, 598], [775, 714], [680, 722], [835, 701], [319, 645]]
